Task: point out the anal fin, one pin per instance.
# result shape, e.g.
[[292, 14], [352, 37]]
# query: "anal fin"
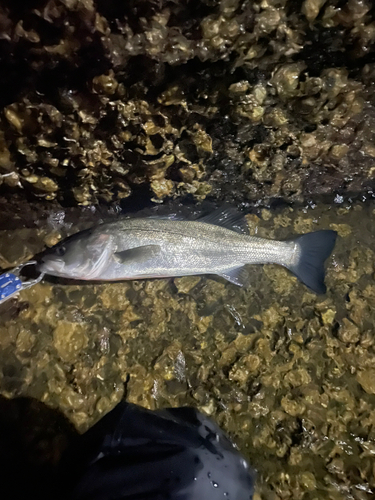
[[237, 275]]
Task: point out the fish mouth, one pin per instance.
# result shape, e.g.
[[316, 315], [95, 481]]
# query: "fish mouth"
[[51, 265]]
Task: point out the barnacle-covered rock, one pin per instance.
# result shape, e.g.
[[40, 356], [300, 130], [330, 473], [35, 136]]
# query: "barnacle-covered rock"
[[367, 380], [90, 101]]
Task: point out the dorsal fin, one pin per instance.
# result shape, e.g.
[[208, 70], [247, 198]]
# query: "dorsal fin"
[[229, 218]]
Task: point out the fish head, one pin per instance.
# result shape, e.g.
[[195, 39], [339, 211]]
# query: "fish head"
[[82, 256]]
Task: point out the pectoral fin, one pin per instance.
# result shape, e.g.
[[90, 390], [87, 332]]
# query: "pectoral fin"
[[138, 254]]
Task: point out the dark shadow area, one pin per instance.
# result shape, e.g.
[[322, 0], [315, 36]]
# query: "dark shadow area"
[[33, 438], [131, 453]]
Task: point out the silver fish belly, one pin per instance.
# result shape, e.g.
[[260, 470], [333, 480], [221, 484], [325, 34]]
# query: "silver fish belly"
[[153, 248]]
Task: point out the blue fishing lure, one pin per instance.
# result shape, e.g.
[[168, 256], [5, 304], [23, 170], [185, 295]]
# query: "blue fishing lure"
[[11, 283]]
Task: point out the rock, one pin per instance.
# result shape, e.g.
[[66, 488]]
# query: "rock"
[[348, 332], [70, 339], [311, 8], [367, 380]]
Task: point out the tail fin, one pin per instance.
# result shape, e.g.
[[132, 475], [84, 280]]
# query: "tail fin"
[[314, 249]]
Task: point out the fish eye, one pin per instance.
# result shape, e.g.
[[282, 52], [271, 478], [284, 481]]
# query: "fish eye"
[[61, 251]]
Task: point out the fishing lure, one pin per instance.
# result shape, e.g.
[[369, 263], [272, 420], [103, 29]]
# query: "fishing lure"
[[11, 282]]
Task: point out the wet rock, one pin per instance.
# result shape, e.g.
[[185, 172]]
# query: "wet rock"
[[187, 283], [328, 316], [308, 481], [70, 339], [89, 105], [343, 230], [282, 281], [348, 332], [311, 8], [367, 380]]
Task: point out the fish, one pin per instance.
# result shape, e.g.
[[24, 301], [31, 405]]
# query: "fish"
[[215, 244], [168, 454]]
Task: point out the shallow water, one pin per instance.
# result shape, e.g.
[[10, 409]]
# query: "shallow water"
[[290, 375]]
